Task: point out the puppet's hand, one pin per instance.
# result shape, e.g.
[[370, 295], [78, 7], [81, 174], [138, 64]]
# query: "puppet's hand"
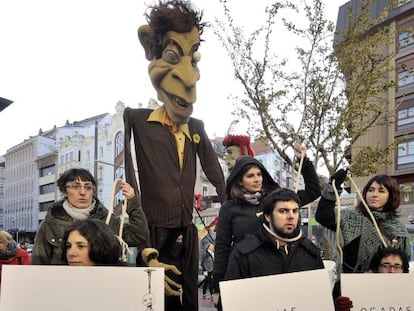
[[150, 258]]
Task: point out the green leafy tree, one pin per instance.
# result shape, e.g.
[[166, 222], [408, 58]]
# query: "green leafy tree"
[[313, 104]]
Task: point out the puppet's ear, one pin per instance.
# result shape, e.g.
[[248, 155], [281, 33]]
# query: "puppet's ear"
[[147, 38]]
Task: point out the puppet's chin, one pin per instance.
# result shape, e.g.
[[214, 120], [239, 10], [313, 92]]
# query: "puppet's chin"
[[178, 110]]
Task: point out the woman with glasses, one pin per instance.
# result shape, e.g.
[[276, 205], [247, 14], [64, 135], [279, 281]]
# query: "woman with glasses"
[[385, 260], [390, 260], [80, 201]]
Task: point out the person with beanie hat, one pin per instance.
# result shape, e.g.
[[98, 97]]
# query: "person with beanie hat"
[[278, 245], [236, 146]]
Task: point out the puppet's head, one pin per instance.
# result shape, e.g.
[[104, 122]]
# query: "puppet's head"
[[171, 41], [236, 146]]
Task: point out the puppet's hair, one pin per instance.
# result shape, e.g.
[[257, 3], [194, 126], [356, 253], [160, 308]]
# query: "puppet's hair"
[[173, 15], [242, 141]]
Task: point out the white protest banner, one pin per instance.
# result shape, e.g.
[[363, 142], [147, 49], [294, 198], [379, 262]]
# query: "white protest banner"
[[297, 291], [379, 291], [65, 288]]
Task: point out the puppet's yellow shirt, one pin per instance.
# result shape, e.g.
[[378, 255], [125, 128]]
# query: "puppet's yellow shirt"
[[160, 115]]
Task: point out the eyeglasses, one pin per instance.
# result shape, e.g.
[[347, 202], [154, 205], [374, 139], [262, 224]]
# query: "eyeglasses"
[[389, 266], [79, 186]]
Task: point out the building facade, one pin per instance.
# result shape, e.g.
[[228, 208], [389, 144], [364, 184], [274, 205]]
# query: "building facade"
[[400, 100], [2, 166]]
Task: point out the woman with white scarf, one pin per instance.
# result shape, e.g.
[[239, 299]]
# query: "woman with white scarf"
[[81, 202]]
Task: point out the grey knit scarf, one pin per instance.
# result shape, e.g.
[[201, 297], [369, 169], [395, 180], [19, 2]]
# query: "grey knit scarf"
[[354, 224]]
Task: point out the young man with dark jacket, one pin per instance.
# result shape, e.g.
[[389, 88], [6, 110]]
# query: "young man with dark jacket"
[[278, 246]]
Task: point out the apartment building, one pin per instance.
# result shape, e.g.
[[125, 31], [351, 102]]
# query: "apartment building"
[[400, 100], [2, 165], [21, 185]]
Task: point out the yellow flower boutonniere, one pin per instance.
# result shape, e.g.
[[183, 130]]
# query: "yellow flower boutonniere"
[[196, 138]]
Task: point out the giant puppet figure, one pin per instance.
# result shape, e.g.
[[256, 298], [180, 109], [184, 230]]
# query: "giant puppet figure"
[[167, 141]]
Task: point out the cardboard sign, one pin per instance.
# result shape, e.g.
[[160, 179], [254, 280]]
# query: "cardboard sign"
[[65, 288], [297, 291], [379, 291]]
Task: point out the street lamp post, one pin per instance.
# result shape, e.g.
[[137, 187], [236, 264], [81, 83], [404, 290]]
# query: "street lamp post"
[[15, 231]]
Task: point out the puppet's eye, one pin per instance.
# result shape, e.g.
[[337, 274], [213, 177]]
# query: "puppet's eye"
[[196, 57], [171, 57]]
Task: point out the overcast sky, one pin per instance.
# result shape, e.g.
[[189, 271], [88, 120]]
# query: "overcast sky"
[[70, 60]]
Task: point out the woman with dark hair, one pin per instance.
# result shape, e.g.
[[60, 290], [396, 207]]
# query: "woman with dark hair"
[[90, 242], [360, 239], [80, 201], [248, 184]]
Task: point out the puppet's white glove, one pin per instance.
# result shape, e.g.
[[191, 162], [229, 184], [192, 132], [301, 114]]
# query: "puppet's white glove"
[[150, 258]]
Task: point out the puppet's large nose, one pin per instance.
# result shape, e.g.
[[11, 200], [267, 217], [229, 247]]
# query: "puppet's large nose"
[[186, 74]]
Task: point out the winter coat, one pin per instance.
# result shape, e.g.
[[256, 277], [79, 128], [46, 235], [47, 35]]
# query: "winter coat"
[[258, 255], [238, 218], [47, 249], [21, 257], [207, 262]]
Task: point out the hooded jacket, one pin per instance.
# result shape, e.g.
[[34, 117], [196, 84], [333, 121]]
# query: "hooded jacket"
[[238, 217], [48, 250]]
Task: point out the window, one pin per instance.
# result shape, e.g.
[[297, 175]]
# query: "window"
[[405, 39], [405, 77], [119, 143], [403, 2], [43, 207], [405, 117], [119, 172], [405, 153], [46, 171], [49, 188]]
